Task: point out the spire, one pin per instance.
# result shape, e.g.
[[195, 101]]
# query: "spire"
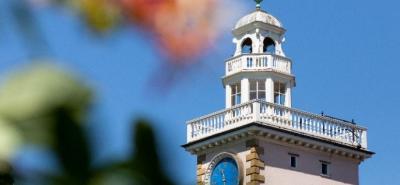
[[258, 6]]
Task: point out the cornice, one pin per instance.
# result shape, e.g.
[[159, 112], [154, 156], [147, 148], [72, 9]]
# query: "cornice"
[[277, 135]]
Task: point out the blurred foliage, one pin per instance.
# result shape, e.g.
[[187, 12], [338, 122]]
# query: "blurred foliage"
[[10, 140], [30, 95], [180, 30], [45, 100], [44, 105], [6, 177], [101, 15]]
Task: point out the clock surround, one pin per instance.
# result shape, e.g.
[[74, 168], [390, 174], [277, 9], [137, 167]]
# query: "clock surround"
[[217, 159]]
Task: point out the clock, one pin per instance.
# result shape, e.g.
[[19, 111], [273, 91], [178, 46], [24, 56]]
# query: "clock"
[[225, 172]]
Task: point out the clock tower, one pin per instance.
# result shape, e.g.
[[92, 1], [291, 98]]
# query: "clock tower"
[[259, 138]]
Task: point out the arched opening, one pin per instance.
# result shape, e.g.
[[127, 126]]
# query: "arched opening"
[[247, 46], [269, 45]]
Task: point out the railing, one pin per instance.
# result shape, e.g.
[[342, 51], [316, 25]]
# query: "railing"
[[277, 116], [257, 62]]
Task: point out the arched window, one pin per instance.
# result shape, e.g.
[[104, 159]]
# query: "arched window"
[[247, 46], [269, 45]]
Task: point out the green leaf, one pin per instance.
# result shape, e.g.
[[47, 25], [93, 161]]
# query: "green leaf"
[[71, 147], [146, 159]]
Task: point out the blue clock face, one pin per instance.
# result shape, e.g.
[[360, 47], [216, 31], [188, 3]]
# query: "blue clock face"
[[226, 172]]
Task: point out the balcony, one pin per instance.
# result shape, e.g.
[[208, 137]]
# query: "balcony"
[[258, 62], [273, 115]]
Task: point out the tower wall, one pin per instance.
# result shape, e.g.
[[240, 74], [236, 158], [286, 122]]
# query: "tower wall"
[[276, 170], [308, 170]]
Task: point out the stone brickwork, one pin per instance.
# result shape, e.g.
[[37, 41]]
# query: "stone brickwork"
[[200, 170], [256, 164]]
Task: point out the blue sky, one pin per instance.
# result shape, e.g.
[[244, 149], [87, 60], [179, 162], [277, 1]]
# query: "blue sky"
[[345, 58]]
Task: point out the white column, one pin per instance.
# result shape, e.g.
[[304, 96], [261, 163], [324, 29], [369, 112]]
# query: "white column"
[[364, 139], [228, 94], [189, 132], [261, 44], [270, 61], [288, 99], [256, 111], [269, 92], [245, 90], [238, 50], [279, 50]]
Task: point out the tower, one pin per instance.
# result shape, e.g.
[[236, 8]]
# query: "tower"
[[259, 138]]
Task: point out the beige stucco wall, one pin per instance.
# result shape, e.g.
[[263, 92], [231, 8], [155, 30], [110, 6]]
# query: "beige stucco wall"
[[278, 171], [277, 164]]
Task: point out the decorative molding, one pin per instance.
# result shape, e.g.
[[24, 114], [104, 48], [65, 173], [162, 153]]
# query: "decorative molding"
[[272, 134]]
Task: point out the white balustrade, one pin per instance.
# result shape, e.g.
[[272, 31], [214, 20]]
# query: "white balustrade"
[[277, 116], [219, 121], [257, 62]]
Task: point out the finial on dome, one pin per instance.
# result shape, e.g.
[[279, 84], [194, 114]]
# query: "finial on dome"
[[258, 6]]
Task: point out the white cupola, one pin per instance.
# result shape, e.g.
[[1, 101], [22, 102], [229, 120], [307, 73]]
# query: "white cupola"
[[259, 68], [263, 30]]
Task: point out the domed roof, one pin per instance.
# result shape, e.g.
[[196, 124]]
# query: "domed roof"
[[258, 16]]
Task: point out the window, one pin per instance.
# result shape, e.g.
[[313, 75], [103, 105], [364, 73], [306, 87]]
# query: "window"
[[293, 160], [279, 93], [269, 46], [257, 89], [325, 168], [236, 94], [247, 46]]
